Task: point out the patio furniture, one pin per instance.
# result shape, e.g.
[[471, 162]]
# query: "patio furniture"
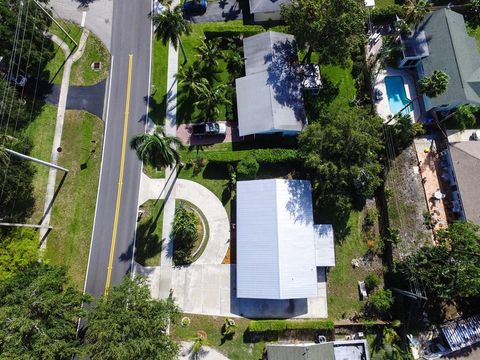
[[438, 195]]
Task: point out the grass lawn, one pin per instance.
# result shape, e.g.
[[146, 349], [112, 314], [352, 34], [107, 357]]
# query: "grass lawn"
[[342, 293], [148, 243], [343, 81], [158, 102], [73, 212], [234, 349], [82, 73], [41, 131]]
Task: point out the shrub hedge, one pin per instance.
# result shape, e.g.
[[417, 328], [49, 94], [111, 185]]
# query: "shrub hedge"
[[263, 156], [282, 325], [247, 168], [228, 30], [386, 14]]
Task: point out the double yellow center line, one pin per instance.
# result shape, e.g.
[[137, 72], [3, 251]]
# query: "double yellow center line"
[[120, 175]]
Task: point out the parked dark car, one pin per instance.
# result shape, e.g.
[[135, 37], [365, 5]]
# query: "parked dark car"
[[195, 7], [209, 128]]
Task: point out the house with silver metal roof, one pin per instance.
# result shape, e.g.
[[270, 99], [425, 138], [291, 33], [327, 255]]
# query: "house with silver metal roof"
[[265, 10], [269, 97], [279, 248]]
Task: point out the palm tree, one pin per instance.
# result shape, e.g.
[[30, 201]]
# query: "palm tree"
[[209, 52], [170, 25], [229, 327], [210, 99], [415, 11], [190, 77], [157, 149], [434, 85]]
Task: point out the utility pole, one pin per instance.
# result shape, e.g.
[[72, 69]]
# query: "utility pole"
[[55, 21]]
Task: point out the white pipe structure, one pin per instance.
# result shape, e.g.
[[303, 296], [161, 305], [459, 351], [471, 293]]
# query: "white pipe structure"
[[26, 157]]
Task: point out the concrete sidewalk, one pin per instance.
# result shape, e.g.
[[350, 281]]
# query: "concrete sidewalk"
[[57, 138]]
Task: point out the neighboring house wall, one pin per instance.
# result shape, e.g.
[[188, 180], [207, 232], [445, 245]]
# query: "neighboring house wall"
[[267, 16]]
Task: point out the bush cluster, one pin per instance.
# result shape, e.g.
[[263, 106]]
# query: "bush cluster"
[[386, 14], [247, 168], [263, 156], [282, 325], [230, 30]]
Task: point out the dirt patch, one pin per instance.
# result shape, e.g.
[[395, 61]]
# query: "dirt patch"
[[406, 203]]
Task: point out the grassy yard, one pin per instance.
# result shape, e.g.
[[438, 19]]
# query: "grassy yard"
[[342, 293], [55, 66], [82, 73], [148, 244], [159, 82], [41, 131], [73, 211], [235, 349]]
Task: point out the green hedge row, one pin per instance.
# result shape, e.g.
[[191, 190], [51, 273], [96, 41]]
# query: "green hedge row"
[[282, 325], [386, 14], [229, 30], [263, 156]]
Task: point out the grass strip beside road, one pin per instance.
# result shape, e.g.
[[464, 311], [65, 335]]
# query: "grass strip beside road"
[[82, 72], [73, 211], [41, 131], [158, 103], [148, 244]]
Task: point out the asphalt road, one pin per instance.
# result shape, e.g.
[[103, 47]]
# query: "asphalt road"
[[131, 31]]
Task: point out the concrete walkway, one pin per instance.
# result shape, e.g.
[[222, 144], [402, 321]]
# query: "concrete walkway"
[[207, 202], [97, 16], [62, 102], [206, 353]]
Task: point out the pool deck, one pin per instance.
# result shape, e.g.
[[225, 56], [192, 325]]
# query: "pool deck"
[[383, 107]]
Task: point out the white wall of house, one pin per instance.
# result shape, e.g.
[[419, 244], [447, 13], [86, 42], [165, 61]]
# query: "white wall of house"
[[266, 16]]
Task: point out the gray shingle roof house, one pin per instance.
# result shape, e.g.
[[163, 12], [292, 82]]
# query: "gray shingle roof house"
[[276, 245], [269, 97], [441, 42], [465, 162], [264, 10], [336, 350]]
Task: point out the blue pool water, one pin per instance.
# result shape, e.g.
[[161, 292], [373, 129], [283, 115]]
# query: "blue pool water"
[[397, 98]]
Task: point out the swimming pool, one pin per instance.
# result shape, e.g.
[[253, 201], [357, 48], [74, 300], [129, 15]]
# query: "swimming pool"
[[397, 98]]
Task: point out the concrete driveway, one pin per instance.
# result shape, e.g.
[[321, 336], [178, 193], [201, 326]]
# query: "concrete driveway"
[[219, 11], [184, 133], [207, 202], [206, 352]]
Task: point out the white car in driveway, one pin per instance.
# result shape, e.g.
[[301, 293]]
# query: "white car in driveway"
[[209, 129]]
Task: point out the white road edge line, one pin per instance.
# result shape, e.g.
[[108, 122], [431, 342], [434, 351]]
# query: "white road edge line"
[[84, 15], [101, 167], [132, 271]]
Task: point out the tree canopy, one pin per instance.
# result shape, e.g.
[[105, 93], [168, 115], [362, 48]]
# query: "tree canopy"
[[157, 149], [39, 310], [450, 270], [435, 84], [342, 153], [18, 249], [330, 27], [32, 23], [128, 324]]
